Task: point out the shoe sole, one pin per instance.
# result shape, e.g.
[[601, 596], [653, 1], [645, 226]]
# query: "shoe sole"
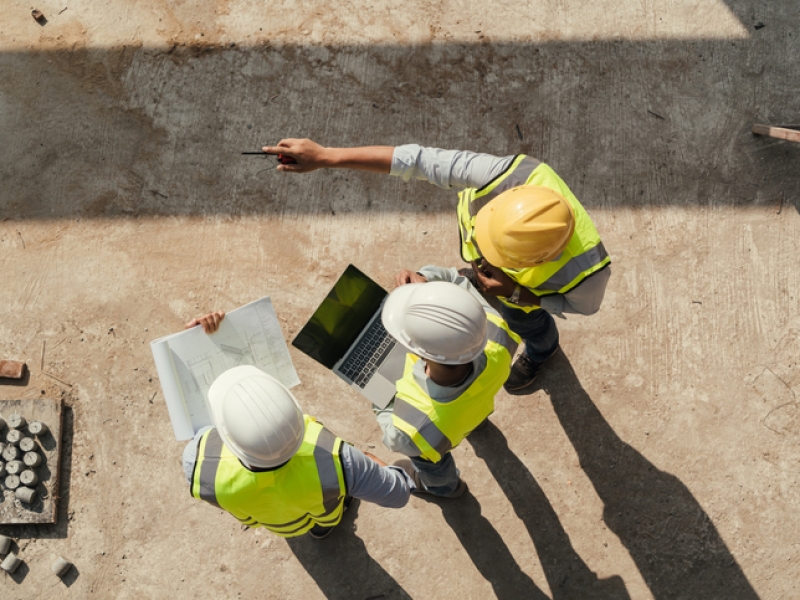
[[521, 387]]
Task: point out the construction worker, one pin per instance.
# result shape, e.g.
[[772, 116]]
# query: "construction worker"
[[530, 242], [269, 465], [460, 353]]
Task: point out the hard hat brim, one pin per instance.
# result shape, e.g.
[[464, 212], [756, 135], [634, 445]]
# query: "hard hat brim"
[[484, 243], [394, 309]]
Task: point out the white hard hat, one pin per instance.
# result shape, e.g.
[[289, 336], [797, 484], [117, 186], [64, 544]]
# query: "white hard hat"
[[257, 418], [439, 321]]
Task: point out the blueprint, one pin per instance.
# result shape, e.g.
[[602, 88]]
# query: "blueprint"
[[188, 362]]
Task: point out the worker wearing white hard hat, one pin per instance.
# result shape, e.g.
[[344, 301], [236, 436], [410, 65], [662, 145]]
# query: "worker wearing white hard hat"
[[460, 353], [530, 241], [271, 466]]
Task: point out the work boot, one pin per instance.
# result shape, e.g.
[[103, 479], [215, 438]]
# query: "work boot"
[[318, 532], [408, 467], [524, 372]]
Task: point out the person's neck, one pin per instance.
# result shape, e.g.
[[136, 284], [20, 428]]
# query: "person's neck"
[[447, 375]]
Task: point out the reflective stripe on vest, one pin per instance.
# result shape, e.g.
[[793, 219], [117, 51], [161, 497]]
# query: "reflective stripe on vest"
[[438, 427], [307, 490], [584, 254], [210, 445]]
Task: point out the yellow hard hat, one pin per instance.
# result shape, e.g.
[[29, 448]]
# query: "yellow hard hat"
[[523, 227]]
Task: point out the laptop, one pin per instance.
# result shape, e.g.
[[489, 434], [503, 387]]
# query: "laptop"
[[345, 334]]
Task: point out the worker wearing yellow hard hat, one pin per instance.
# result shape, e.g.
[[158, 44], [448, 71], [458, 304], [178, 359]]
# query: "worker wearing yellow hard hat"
[[530, 241]]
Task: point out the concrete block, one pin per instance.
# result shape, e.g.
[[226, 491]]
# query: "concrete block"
[[27, 444], [14, 436], [10, 564], [61, 566], [11, 482], [25, 494], [37, 428], [11, 452], [28, 477], [15, 467], [12, 369], [32, 459], [16, 422], [5, 544]]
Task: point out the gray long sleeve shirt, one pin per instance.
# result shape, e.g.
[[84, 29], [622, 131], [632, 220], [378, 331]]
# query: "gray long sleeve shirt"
[[461, 169], [389, 487]]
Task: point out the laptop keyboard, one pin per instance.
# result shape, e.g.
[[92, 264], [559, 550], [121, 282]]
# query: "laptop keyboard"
[[368, 355]]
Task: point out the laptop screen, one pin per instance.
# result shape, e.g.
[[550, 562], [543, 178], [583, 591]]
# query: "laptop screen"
[[340, 318]]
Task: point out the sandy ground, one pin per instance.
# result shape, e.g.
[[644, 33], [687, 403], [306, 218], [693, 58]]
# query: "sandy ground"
[[658, 456]]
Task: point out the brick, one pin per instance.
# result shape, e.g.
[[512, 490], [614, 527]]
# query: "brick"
[[12, 369]]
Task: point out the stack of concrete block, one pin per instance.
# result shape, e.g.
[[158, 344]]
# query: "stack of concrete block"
[[20, 456]]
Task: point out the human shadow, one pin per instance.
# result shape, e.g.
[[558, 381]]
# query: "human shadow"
[[341, 565], [567, 574], [486, 548], [670, 537]]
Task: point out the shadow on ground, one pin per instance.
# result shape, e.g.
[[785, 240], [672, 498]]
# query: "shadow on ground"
[[486, 549], [567, 574], [126, 132], [670, 537], [341, 565]]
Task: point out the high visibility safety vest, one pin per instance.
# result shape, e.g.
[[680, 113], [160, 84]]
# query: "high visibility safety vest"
[[308, 490], [584, 254], [438, 427]]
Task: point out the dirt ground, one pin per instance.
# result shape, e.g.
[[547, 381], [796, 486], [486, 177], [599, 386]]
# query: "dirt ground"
[[658, 456]]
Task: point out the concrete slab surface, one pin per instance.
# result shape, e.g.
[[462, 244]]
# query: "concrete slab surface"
[[658, 456]]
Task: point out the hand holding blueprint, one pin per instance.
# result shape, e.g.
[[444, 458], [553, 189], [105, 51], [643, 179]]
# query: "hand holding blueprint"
[[188, 362]]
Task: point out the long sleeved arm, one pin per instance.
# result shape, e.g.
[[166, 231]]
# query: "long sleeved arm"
[[366, 479], [389, 487], [585, 299], [447, 168]]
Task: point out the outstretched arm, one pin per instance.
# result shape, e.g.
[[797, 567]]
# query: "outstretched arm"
[[443, 168], [311, 156]]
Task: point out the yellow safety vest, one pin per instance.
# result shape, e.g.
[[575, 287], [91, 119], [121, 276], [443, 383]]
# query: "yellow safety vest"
[[438, 427], [584, 254], [308, 490]]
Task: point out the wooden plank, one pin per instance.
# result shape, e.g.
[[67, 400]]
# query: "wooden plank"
[[790, 133], [44, 508]]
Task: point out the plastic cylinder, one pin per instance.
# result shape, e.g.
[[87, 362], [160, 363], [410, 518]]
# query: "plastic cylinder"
[[2, 468], [32, 459], [10, 564], [5, 544], [27, 444], [15, 467], [11, 482], [14, 436], [16, 422], [10, 453], [2, 422], [37, 428], [61, 566]]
